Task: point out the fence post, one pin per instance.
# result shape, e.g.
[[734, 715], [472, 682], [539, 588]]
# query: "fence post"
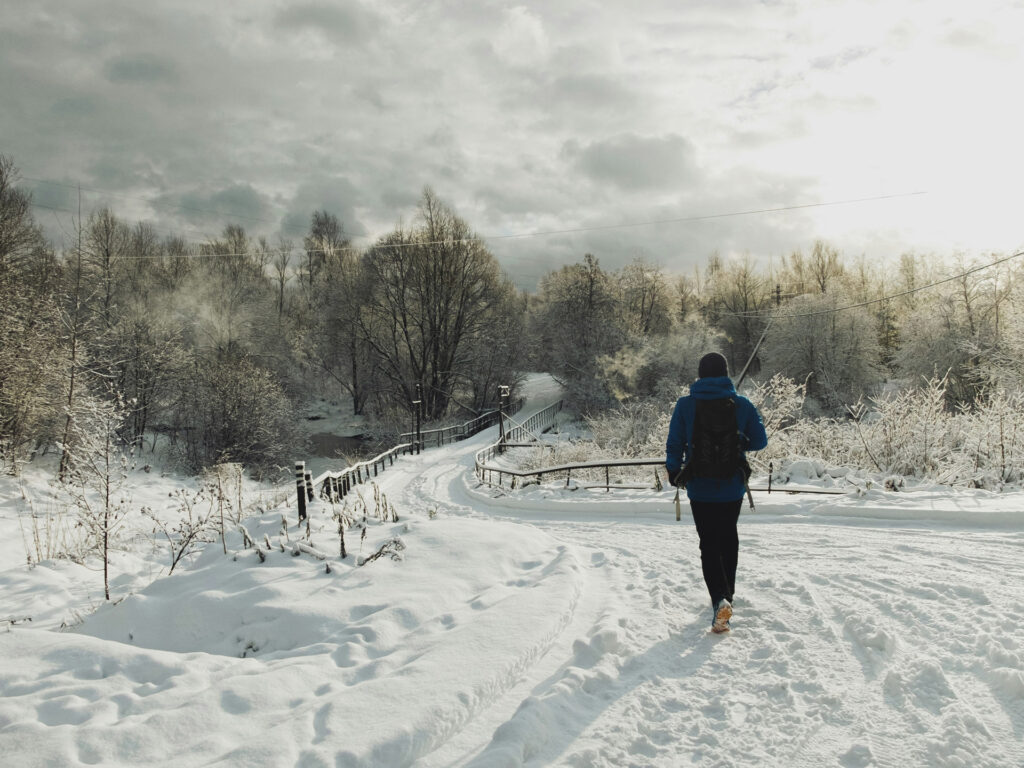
[[300, 483], [308, 477]]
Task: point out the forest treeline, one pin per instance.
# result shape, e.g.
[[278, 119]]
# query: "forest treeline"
[[220, 345]]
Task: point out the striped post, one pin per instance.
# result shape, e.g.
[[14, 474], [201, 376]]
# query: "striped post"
[[300, 488]]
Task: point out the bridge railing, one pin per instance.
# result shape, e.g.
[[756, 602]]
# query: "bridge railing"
[[452, 434], [515, 433], [336, 485]]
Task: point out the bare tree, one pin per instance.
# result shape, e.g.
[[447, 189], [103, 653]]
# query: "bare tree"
[[824, 265], [433, 288], [645, 298], [575, 321], [837, 350], [323, 245], [97, 469], [281, 263], [30, 348], [107, 239], [743, 299]]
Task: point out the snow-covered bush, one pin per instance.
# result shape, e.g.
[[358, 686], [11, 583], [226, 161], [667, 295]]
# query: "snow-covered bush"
[[997, 434], [905, 433], [659, 367], [49, 533], [835, 353], [192, 528], [632, 429], [231, 409], [780, 401], [911, 432]]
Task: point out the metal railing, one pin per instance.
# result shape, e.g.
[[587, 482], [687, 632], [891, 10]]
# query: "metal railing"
[[335, 486], [443, 435], [537, 424], [486, 473]]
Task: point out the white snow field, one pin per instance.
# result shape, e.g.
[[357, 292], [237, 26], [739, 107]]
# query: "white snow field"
[[537, 627]]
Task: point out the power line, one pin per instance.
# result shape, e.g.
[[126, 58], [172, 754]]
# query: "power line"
[[547, 233], [704, 217], [907, 292], [150, 202], [165, 230], [834, 310]]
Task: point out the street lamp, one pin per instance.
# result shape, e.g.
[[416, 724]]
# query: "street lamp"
[[418, 402], [503, 391]]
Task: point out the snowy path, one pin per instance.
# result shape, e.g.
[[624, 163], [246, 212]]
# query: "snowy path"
[[852, 645], [544, 628]]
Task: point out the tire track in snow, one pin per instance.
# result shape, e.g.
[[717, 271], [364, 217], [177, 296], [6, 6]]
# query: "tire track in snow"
[[437, 480]]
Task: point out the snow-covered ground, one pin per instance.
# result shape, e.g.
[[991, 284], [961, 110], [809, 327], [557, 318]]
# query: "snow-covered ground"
[[537, 627]]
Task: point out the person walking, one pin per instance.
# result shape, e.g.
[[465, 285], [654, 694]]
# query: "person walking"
[[710, 432]]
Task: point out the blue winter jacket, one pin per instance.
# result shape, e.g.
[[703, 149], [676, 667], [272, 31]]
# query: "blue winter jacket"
[[680, 437]]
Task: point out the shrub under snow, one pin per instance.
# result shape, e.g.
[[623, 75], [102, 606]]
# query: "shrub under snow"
[[907, 434]]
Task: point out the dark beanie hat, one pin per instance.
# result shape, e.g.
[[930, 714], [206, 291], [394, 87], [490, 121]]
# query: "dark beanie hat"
[[712, 364]]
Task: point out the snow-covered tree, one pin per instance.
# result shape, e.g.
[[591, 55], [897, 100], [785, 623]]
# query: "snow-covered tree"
[[835, 352], [575, 320], [97, 468]]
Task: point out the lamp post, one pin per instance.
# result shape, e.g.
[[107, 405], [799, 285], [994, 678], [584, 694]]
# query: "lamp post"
[[418, 402], [503, 390]]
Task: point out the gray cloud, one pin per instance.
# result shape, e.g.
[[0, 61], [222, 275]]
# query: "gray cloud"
[[841, 58], [636, 162], [75, 107], [144, 68], [526, 118], [592, 91], [344, 22], [239, 204], [336, 195]]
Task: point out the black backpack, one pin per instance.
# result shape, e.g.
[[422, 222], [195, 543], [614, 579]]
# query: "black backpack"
[[717, 443]]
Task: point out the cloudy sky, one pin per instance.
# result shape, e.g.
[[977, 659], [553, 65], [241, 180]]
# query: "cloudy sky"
[[527, 118]]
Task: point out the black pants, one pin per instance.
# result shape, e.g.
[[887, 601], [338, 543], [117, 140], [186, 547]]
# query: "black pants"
[[719, 544]]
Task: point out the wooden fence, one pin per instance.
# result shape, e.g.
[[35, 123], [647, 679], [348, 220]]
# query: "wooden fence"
[[334, 486]]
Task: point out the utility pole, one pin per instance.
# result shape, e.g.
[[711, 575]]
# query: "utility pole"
[[743, 373]]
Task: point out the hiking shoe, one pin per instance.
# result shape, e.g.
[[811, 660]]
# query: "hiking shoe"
[[723, 612]]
